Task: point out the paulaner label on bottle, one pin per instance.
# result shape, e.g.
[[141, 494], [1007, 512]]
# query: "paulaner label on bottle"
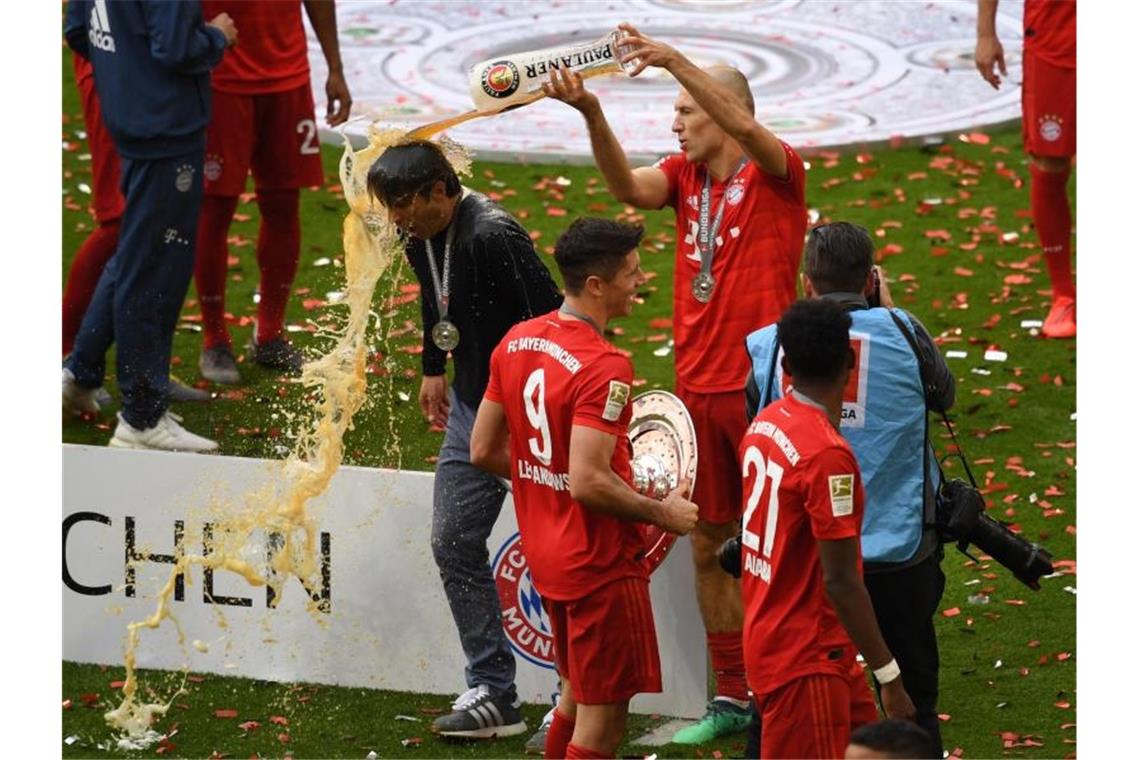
[[515, 80]]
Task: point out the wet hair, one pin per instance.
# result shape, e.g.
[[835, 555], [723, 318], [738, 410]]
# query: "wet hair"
[[814, 336], [895, 737], [838, 257], [409, 168], [594, 246], [735, 81]]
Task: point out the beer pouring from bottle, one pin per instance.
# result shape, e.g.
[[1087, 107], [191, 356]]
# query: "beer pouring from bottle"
[[505, 82]]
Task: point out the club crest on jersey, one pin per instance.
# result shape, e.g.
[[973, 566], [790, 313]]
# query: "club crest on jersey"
[[1050, 126], [734, 194], [212, 169], [616, 400], [524, 619], [184, 179], [842, 489], [500, 79]]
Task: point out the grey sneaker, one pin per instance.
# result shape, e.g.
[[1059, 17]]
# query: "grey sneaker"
[[218, 366], [278, 354], [166, 435], [478, 715], [536, 744], [76, 398], [180, 391]]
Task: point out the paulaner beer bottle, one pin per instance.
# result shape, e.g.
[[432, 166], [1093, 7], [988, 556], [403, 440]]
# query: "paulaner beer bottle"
[[505, 82]]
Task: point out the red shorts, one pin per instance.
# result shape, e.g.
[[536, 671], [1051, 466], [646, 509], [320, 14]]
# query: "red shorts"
[[814, 716], [274, 134], [107, 202], [605, 643], [720, 422], [1048, 108]]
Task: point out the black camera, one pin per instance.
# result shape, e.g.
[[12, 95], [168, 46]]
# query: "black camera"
[[961, 516], [729, 556]]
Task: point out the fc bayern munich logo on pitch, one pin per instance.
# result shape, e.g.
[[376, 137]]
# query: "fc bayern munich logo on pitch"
[[524, 619]]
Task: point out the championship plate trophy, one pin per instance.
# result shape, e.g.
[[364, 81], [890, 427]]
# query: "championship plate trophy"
[[664, 453]]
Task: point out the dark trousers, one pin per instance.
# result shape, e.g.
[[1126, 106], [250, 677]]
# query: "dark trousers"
[[466, 504], [140, 292], [905, 602]]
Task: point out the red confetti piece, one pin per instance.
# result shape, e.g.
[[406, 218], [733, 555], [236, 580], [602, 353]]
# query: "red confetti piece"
[[67, 704], [1062, 705], [963, 272], [1017, 279], [555, 211], [312, 303], [1062, 656], [943, 235], [117, 684], [952, 612], [279, 720], [89, 699], [1015, 602], [249, 725], [226, 713], [661, 323], [283, 738], [944, 717]]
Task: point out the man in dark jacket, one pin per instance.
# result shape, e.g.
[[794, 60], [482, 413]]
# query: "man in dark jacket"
[[479, 276], [152, 63]]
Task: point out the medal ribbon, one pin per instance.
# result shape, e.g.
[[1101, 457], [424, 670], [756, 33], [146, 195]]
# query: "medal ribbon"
[[566, 308], [706, 237], [442, 290]]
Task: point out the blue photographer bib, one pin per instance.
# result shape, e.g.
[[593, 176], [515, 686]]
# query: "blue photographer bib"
[[884, 420]]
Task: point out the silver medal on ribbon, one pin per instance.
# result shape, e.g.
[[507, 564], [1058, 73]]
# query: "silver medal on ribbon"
[[445, 335], [664, 453], [703, 285]]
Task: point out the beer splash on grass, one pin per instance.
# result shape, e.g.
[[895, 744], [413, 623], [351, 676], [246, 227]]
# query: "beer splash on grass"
[[273, 536]]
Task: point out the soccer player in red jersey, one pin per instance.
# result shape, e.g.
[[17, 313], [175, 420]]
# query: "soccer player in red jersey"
[[1049, 132], [106, 203], [806, 610], [554, 420], [738, 194], [263, 120]]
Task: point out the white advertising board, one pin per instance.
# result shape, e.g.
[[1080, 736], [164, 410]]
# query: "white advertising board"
[[388, 625]]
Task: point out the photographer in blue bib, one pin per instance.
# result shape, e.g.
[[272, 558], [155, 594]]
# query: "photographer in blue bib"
[[897, 379]]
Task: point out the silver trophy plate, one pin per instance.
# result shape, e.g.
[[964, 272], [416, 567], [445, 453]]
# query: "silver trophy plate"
[[664, 453]]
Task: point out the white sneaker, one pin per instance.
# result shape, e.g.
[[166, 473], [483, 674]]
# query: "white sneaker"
[[167, 435], [76, 398]]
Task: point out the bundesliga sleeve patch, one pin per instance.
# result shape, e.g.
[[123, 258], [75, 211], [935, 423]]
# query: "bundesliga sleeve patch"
[[616, 401], [842, 489]]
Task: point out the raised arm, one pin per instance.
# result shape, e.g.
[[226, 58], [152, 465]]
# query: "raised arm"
[[322, 15], [645, 187], [716, 98]]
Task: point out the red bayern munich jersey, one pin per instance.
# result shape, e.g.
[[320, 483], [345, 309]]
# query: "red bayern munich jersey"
[[272, 54], [1051, 31], [551, 374], [755, 263], [790, 628]]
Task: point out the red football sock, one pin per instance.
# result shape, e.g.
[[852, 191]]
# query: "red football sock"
[[210, 264], [574, 751], [1049, 202], [558, 737], [278, 250], [727, 652], [86, 268]]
